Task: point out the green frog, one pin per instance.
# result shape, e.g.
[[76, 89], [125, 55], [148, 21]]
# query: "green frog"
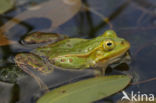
[[59, 51]]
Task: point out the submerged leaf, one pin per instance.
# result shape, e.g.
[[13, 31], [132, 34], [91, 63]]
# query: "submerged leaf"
[[86, 91], [5, 5], [56, 12]]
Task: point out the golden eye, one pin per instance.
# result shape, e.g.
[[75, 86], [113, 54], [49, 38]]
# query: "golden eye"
[[108, 45]]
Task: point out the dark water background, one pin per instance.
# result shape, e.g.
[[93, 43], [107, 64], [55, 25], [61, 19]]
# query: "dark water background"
[[134, 20]]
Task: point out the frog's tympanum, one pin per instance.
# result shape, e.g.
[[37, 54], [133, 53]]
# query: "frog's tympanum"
[[72, 53]]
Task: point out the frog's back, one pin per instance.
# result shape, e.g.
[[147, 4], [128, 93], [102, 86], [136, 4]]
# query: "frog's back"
[[71, 46]]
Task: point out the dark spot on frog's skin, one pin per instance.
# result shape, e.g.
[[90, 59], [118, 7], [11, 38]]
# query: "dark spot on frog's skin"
[[63, 60], [63, 91], [38, 36], [70, 60]]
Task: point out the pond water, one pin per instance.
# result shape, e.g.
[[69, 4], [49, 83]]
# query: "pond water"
[[134, 20]]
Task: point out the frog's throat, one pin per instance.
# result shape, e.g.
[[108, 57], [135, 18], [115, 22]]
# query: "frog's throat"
[[115, 57]]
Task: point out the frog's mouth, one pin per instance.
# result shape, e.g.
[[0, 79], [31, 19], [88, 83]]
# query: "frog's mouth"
[[122, 58]]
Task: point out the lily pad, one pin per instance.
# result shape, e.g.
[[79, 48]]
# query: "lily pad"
[[86, 91]]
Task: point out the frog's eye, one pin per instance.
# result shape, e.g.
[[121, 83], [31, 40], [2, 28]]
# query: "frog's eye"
[[108, 45]]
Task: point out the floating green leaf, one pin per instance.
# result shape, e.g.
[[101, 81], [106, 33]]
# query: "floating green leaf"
[[86, 91], [5, 5]]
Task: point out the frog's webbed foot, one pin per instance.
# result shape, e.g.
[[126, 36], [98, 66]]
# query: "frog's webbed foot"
[[42, 85], [43, 38], [29, 62]]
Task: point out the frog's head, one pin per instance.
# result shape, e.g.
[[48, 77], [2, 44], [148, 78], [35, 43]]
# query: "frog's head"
[[111, 47]]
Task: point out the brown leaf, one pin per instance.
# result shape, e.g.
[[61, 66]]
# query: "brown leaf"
[[3, 40]]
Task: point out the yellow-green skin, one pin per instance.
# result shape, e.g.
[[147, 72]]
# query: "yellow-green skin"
[[75, 53]]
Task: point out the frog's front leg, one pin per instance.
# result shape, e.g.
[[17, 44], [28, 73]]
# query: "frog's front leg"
[[101, 66], [101, 70], [28, 61], [41, 38]]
